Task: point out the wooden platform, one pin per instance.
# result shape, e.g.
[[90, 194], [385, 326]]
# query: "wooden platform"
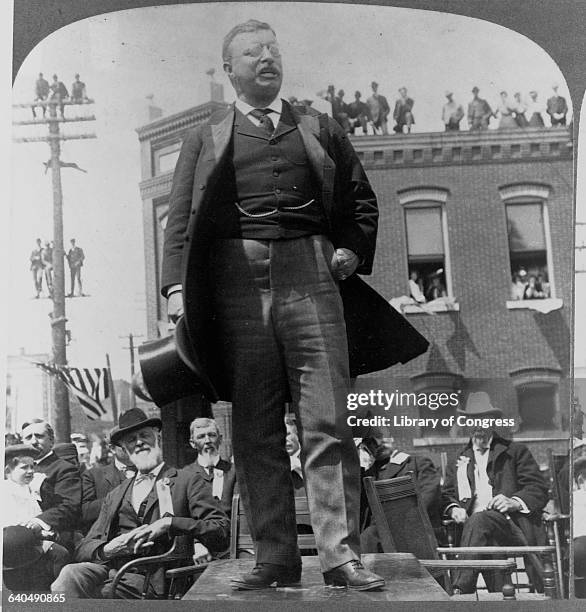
[[406, 580]]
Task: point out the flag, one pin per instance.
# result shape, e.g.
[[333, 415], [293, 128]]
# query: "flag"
[[89, 385]]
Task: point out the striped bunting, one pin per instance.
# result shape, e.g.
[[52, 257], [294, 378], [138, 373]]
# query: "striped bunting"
[[89, 385]]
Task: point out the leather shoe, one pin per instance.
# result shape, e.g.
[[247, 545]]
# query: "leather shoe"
[[264, 575], [354, 576]]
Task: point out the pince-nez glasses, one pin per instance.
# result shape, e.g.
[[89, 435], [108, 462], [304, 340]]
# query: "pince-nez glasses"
[[256, 50]]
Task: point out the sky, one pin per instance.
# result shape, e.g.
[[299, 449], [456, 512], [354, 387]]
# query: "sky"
[[165, 52]]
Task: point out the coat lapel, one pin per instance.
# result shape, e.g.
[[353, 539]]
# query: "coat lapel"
[[221, 134], [322, 164], [118, 495]]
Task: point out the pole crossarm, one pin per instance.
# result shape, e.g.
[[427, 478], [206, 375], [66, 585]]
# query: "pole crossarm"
[[52, 103], [52, 137], [52, 120]]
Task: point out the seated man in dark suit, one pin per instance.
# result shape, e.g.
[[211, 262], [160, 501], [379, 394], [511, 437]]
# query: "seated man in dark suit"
[[99, 480], [217, 472], [495, 490], [389, 462], [141, 515], [56, 482]]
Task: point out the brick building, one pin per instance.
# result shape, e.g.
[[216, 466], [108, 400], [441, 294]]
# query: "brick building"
[[471, 209]]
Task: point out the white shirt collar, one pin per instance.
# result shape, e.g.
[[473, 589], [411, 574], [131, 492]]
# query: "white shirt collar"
[[37, 461], [276, 106], [155, 470]]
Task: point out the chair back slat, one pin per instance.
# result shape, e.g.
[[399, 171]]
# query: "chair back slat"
[[241, 538]]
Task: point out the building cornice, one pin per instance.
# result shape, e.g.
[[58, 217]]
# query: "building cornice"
[[178, 122], [156, 186], [463, 148]]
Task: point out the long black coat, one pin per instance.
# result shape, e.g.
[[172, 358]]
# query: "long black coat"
[[352, 216], [512, 471], [228, 485], [60, 493]]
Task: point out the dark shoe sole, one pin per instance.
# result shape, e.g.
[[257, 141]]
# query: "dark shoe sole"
[[243, 586], [371, 586]]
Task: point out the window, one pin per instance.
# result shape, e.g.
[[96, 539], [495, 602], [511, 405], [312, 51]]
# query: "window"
[[537, 406], [537, 399], [527, 251], [428, 258], [529, 242], [165, 158]]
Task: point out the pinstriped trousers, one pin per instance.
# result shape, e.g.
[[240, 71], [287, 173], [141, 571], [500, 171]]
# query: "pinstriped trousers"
[[283, 338]]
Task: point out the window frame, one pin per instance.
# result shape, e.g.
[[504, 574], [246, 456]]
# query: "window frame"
[[160, 151], [420, 198], [535, 377], [531, 193]]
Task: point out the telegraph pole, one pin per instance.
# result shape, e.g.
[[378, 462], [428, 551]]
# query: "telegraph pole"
[[62, 419], [130, 347]]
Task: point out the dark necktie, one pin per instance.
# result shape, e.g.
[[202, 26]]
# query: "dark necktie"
[[262, 114], [210, 470]]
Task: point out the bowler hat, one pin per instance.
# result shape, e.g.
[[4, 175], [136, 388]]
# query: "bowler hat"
[[131, 420], [478, 404], [169, 370], [20, 547], [20, 450]]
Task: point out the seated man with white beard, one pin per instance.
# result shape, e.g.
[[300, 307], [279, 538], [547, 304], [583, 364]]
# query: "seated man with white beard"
[[206, 438], [141, 515]]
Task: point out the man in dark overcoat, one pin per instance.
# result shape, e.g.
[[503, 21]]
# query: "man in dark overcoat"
[[495, 491], [269, 211], [56, 482]]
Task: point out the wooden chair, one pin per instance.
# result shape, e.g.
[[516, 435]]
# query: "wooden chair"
[[177, 564], [550, 561], [557, 521], [242, 543], [403, 526]]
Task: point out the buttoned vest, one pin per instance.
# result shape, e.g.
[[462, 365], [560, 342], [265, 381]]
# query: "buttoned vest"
[[128, 519], [268, 188]]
